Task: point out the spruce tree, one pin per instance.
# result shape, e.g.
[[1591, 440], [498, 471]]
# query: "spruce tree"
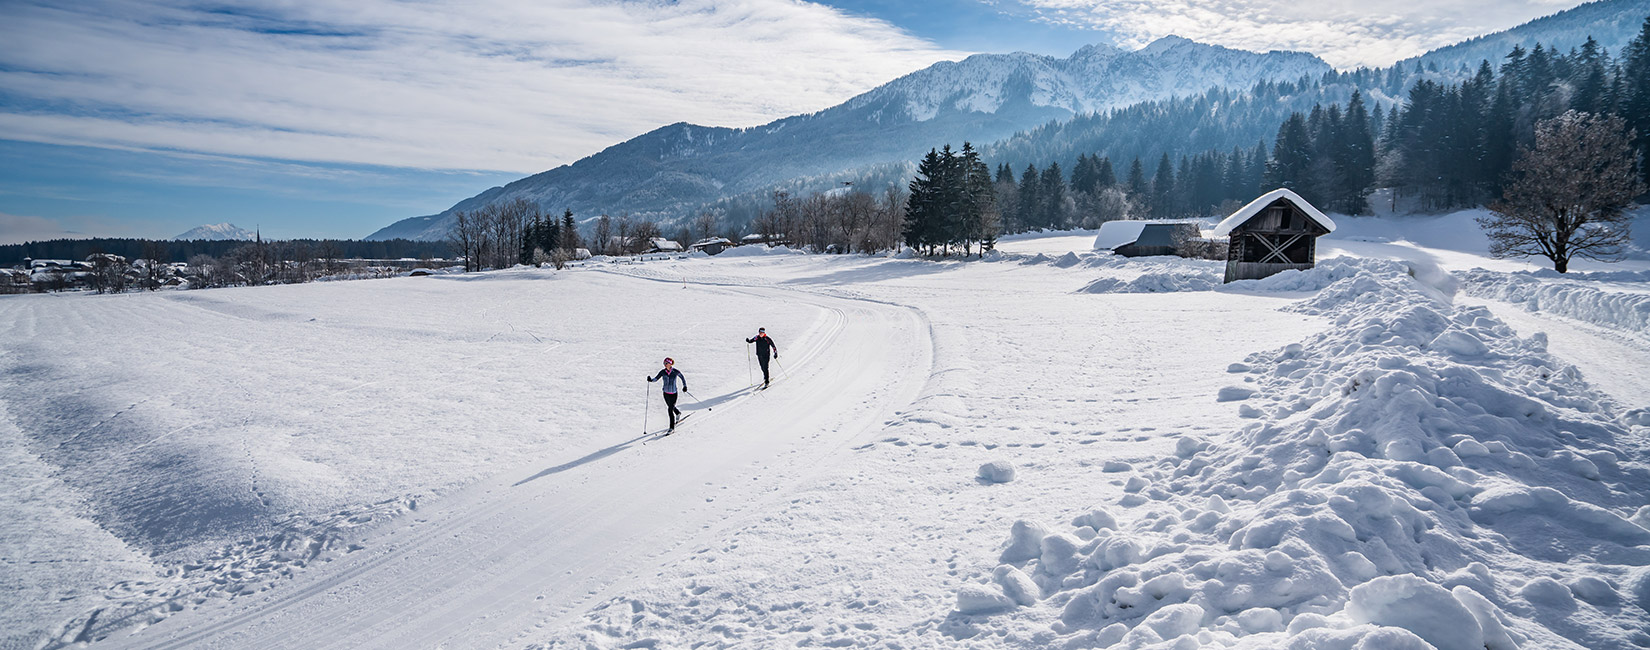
[[1589, 79], [980, 213], [1162, 193], [1356, 157], [550, 236], [1104, 176], [921, 207], [1136, 188], [529, 240], [1052, 194], [570, 241], [1635, 94], [1291, 156], [1030, 209]]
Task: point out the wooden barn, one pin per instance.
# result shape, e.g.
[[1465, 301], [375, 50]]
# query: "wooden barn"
[[1134, 238], [1276, 232]]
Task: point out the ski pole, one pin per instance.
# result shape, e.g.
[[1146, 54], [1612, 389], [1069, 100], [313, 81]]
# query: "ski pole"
[[749, 374], [782, 368], [696, 399], [647, 396]]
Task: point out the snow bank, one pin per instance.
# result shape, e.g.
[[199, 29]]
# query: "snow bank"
[[1629, 312], [1417, 477], [1204, 277], [756, 250], [1154, 283]]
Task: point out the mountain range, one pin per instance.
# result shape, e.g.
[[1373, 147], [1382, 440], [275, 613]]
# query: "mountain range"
[[676, 170], [985, 97]]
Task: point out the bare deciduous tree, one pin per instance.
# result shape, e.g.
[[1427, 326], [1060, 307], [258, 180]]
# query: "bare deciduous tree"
[[642, 234], [604, 235], [1568, 193], [704, 225]]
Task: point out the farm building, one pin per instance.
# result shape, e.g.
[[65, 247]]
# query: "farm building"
[[1276, 232], [1142, 238], [712, 246], [662, 245]]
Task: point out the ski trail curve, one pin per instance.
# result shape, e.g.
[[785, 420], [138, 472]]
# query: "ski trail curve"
[[534, 546]]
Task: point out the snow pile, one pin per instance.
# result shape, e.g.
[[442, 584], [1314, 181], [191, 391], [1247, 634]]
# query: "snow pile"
[[1617, 310], [1205, 277], [1324, 274], [1155, 283], [1595, 276], [756, 250], [1417, 477], [997, 471]]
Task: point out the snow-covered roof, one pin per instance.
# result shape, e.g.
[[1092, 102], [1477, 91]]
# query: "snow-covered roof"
[[1114, 234], [666, 244], [1247, 212]]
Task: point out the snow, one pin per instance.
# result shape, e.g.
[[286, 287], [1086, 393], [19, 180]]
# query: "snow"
[[217, 232], [1118, 233], [1247, 212], [1094, 78], [1044, 448], [1045, 241]]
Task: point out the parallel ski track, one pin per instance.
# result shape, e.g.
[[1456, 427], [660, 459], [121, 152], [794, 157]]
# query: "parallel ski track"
[[351, 614]]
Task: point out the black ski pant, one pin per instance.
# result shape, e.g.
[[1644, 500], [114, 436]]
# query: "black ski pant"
[[762, 360], [670, 405]]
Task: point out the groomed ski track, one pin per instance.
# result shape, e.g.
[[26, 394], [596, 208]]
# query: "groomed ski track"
[[534, 546]]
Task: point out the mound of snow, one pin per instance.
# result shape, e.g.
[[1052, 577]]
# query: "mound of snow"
[[1192, 276], [1154, 283], [1319, 277], [756, 250], [1416, 477], [1629, 312], [997, 471]]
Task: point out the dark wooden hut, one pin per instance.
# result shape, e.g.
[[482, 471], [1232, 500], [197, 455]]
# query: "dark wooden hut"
[[1276, 232], [1141, 238]]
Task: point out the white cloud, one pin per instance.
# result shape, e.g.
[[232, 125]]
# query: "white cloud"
[[1346, 33], [509, 85]]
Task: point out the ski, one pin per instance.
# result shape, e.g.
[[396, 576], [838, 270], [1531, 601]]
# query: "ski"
[[665, 432]]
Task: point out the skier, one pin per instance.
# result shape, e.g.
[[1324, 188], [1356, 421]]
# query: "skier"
[[671, 375], [764, 346]]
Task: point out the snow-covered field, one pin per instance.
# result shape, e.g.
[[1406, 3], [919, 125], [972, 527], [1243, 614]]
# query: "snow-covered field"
[[1048, 448]]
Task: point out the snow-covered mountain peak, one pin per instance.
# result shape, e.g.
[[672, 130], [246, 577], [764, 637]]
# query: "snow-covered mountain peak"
[[217, 232], [1171, 42], [1094, 78], [1096, 51]]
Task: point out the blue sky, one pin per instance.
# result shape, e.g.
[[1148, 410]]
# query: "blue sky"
[[318, 118], [975, 26]]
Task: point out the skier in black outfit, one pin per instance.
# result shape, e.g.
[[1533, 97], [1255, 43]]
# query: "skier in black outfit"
[[764, 346], [671, 375]]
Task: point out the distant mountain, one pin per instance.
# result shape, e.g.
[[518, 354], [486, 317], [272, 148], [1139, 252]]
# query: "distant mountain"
[[1221, 119], [217, 232], [673, 170], [1613, 23]]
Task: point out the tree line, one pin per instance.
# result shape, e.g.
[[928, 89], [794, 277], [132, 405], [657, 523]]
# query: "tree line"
[[182, 251], [1449, 144]]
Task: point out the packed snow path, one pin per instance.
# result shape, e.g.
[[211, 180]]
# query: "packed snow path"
[[487, 564]]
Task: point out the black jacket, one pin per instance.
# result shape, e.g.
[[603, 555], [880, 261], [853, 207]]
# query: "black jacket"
[[764, 346]]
